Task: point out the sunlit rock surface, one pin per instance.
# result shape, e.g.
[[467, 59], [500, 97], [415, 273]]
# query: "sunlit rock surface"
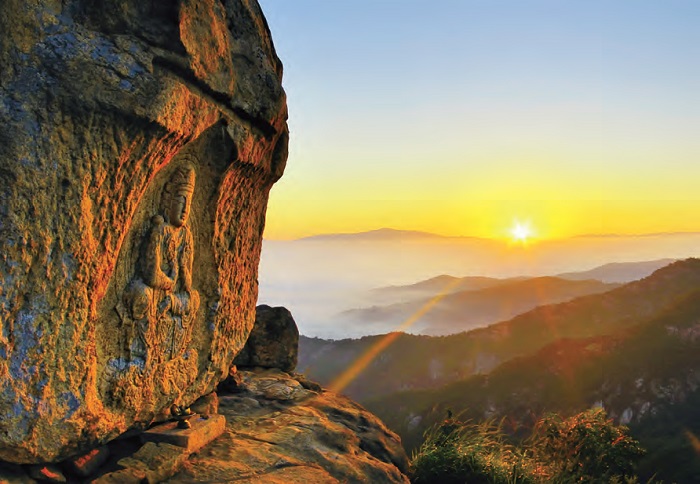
[[139, 140], [280, 431]]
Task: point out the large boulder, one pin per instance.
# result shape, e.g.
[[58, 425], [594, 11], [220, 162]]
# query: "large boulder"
[[273, 342], [139, 140]]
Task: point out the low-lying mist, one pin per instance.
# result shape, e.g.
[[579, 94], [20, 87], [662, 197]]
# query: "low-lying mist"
[[319, 278]]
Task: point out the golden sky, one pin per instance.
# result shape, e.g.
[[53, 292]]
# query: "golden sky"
[[573, 117], [478, 218]]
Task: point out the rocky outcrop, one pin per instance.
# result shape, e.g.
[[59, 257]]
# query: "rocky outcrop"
[[273, 342], [279, 428], [280, 431], [139, 140]]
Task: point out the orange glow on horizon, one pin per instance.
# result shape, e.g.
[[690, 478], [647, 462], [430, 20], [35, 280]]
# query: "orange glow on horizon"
[[289, 219], [345, 378]]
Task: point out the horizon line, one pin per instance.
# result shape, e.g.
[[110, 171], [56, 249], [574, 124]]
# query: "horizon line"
[[444, 236]]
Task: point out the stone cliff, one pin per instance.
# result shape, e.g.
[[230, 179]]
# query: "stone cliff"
[[139, 140], [267, 425]]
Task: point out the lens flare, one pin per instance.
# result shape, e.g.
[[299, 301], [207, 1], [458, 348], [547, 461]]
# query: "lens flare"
[[345, 378]]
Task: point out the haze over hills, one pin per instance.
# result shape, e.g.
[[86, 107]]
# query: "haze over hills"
[[564, 356], [382, 235], [465, 310], [318, 277], [390, 234], [646, 376], [633, 350], [435, 285], [415, 362], [615, 272], [618, 271]]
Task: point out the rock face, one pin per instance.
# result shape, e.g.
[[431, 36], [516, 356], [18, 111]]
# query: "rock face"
[[277, 428], [280, 431], [273, 342], [139, 140]]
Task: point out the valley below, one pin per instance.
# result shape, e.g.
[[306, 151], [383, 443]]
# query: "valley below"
[[353, 285], [630, 348]]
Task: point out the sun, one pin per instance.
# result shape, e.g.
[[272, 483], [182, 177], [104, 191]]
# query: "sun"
[[521, 232]]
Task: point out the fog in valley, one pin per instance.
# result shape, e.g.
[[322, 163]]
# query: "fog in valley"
[[321, 278]]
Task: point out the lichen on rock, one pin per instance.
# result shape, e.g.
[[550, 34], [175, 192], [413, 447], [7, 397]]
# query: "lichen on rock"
[[101, 105]]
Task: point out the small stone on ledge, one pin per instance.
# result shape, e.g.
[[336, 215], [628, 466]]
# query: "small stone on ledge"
[[202, 432]]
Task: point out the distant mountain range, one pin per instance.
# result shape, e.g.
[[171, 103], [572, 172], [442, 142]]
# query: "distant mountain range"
[[496, 300], [619, 271], [633, 350], [319, 277], [415, 362], [438, 284], [646, 376], [616, 272], [471, 302], [384, 234]]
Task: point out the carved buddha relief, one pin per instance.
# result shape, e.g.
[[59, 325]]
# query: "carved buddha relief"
[[159, 305]]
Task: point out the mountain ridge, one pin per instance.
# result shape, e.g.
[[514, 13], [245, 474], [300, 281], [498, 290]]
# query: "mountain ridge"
[[383, 234], [461, 310], [646, 376], [413, 362], [389, 232], [619, 271]]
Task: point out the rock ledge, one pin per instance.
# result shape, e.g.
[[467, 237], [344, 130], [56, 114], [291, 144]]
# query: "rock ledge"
[[279, 431]]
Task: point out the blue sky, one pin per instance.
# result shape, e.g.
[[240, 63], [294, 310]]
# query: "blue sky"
[[451, 104]]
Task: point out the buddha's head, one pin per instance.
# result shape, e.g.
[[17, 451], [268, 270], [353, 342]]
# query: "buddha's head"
[[177, 198]]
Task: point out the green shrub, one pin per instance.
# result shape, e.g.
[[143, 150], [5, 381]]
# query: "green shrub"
[[459, 452], [587, 447]]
